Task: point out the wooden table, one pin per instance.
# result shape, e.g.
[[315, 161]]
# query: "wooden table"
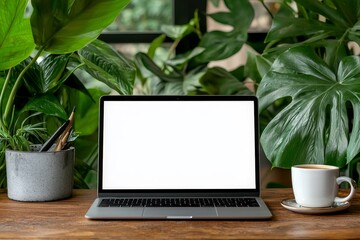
[[65, 219]]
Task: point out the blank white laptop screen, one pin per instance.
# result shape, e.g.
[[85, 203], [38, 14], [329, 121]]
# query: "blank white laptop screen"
[[178, 145]]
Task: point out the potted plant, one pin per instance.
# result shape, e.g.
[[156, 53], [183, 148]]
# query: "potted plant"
[[315, 72], [41, 55]]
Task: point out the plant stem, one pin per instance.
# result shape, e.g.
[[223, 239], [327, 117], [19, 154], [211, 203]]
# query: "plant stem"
[[2, 122], [266, 8], [197, 25], [17, 84], [302, 10], [173, 48]]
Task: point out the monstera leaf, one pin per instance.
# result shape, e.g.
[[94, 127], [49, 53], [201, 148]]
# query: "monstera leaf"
[[322, 122], [328, 24], [220, 45]]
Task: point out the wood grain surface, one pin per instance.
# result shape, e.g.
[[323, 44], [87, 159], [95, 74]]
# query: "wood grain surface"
[[65, 219]]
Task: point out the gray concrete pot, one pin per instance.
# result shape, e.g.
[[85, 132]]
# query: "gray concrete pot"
[[39, 176]]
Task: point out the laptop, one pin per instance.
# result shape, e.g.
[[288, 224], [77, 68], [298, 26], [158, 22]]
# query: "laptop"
[[178, 157]]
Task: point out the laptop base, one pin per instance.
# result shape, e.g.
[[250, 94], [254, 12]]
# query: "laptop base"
[[178, 213]]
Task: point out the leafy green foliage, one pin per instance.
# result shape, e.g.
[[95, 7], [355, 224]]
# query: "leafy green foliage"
[[65, 26], [314, 127], [109, 66], [319, 124], [187, 73], [221, 45], [218, 81], [18, 141], [86, 124], [47, 104], [60, 29], [53, 67], [329, 24], [172, 78], [16, 41]]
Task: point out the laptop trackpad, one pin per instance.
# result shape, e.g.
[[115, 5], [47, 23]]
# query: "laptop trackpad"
[[181, 212]]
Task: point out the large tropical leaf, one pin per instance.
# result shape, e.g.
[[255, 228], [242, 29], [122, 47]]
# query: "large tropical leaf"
[[16, 42], [66, 26], [74, 82], [109, 66], [33, 77], [87, 112], [170, 81], [150, 65], [217, 81], [221, 45], [333, 23], [46, 104], [53, 67], [287, 25], [326, 9], [322, 122]]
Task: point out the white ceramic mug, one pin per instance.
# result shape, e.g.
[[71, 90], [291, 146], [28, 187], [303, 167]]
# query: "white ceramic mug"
[[316, 185]]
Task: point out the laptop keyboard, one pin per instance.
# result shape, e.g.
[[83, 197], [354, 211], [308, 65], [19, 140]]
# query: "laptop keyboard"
[[179, 202]]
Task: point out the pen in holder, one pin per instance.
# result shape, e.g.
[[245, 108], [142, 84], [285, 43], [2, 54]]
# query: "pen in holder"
[[60, 136]]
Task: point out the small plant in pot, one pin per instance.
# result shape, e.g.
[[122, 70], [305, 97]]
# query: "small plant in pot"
[[39, 57]]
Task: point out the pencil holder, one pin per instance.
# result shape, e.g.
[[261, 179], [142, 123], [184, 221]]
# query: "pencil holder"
[[39, 176]]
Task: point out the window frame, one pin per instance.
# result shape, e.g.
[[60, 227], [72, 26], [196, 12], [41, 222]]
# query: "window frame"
[[183, 12]]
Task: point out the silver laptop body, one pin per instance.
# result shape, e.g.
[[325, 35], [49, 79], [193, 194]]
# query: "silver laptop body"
[[178, 157]]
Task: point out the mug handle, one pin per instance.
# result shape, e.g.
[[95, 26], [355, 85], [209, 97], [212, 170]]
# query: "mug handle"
[[353, 187]]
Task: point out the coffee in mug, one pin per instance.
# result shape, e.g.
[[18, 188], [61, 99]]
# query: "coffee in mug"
[[316, 185]]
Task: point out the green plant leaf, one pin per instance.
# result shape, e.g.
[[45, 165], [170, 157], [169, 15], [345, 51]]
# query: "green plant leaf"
[[33, 78], [284, 27], [346, 10], [218, 81], [16, 42], [263, 65], [6, 95], [66, 26], [251, 68], [318, 24], [87, 112], [47, 104], [155, 44], [150, 65], [179, 31], [181, 60], [74, 83], [170, 81], [335, 51], [315, 127], [354, 32], [53, 67], [109, 66], [327, 11], [220, 45], [239, 16]]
